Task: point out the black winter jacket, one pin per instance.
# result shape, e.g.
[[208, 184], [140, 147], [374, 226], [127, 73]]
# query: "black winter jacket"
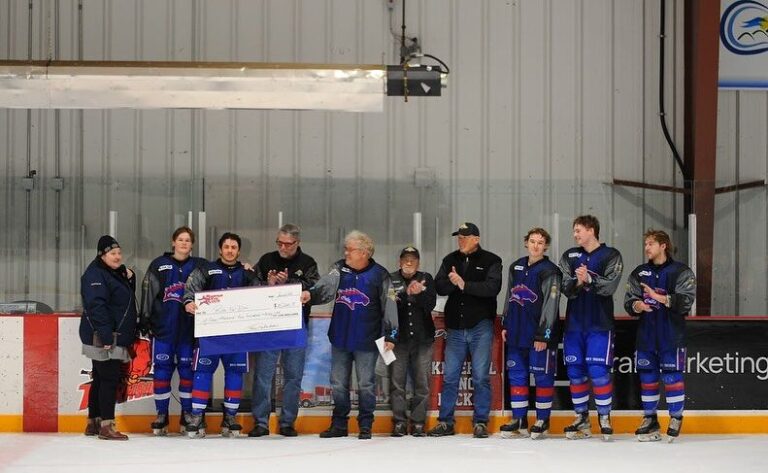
[[481, 271], [414, 313], [109, 305]]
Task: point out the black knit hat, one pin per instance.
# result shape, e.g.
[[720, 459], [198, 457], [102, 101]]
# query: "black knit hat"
[[106, 244]]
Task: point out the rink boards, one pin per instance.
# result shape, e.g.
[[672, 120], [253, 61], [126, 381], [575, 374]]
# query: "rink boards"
[[44, 381]]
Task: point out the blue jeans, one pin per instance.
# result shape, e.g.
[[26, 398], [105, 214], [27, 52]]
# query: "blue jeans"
[[341, 372], [293, 370], [476, 342]]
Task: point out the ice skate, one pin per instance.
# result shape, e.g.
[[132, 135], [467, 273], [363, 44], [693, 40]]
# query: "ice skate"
[[183, 423], [195, 428], [580, 428], [540, 429], [229, 426], [516, 428], [649, 429], [606, 430], [160, 425], [673, 431]]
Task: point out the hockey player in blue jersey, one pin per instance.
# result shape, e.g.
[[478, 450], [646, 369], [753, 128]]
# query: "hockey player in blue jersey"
[[224, 273], [591, 274], [660, 292], [163, 317], [531, 318]]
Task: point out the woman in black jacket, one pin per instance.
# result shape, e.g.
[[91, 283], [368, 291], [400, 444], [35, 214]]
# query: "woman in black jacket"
[[107, 330]]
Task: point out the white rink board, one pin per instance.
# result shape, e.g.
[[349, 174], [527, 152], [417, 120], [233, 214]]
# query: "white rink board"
[[11, 365], [71, 362]]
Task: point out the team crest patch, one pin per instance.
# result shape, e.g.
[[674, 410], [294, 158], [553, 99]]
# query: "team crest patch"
[[350, 297], [174, 292], [653, 302], [522, 294]]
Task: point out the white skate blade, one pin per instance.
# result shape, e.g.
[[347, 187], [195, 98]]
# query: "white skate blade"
[[578, 435], [539, 435], [230, 433], [671, 439], [607, 437], [196, 435], [160, 432], [518, 434], [652, 437]]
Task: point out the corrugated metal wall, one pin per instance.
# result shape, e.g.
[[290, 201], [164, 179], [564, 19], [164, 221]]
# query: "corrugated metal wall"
[[739, 283], [548, 101]]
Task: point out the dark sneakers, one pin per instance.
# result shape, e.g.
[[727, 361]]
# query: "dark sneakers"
[[399, 430], [417, 430], [365, 433], [480, 431], [333, 432], [441, 430], [288, 431], [260, 431]]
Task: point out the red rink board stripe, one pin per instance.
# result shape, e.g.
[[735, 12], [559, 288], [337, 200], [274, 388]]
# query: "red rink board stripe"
[[41, 373]]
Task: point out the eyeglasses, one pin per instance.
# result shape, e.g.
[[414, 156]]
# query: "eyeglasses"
[[286, 244]]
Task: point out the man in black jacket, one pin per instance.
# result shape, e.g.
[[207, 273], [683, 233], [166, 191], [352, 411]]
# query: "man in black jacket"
[[471, 278], [415, 293], [287, 265]]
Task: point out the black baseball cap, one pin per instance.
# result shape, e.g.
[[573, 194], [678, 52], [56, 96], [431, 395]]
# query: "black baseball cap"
[[410, 250], [467, 229]]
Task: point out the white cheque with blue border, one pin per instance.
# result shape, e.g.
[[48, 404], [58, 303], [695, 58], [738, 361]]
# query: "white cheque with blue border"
[[248, 310]]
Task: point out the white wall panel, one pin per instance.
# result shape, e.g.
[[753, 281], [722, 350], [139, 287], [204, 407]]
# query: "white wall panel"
[[548, 101]]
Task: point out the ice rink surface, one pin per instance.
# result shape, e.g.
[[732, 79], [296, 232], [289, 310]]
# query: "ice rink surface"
[[308, 453]]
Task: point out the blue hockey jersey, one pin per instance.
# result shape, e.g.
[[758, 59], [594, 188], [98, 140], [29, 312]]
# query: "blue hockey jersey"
[[162, 294], [590, 306], [663, 328], [364, 305], [531, 310]]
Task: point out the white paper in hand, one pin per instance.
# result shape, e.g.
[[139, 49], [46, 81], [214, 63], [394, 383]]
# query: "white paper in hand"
[[387, 355]]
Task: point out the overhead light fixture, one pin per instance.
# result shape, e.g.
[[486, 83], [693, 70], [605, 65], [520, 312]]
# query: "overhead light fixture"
[[211, 85]]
